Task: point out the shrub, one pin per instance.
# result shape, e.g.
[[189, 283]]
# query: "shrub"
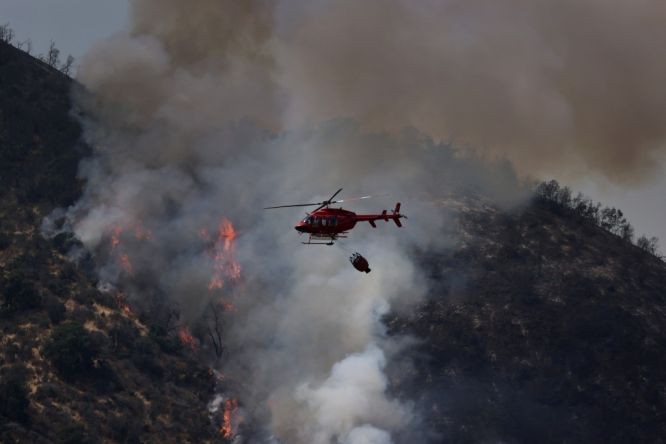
[[5, 241], [55, 309], [71, 350], [14, 395], [144, 357], [168, 343], [20, 295], [72, 434]]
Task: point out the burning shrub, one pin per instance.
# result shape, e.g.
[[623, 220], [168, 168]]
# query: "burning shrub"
[[71, 350]]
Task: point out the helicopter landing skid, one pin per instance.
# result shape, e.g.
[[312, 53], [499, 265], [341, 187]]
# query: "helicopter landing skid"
[[318, 243]]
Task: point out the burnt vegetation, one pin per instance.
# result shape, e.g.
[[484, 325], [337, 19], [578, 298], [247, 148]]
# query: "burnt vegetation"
[[544, 324], [74, 367]]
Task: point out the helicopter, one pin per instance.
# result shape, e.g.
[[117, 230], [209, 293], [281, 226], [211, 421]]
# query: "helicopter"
[[325, 225]]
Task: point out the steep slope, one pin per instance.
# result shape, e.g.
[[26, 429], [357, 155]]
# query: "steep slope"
[[76, 365], [541, 327]]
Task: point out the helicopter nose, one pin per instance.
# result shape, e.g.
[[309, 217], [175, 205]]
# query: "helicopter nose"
[[299, 228]]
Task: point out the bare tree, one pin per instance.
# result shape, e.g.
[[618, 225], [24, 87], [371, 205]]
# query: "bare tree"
[[53, 56], [6, 33], [214, 327], [626, 231], [66, 67], [651, 245]]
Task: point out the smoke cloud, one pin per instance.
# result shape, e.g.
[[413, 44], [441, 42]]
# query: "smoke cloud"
[[562, 88], [205, 112]]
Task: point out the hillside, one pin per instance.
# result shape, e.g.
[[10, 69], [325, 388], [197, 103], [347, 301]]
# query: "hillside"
[[541, 328], [76, 365], [539, 325]]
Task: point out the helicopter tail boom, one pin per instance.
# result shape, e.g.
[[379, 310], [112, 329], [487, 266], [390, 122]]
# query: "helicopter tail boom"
[[395, 216]]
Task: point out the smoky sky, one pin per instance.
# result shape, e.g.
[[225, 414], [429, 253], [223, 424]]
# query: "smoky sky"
[[566, 88]]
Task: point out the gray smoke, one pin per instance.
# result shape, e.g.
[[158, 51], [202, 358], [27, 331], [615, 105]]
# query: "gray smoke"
[[209, 111], [559, 87]]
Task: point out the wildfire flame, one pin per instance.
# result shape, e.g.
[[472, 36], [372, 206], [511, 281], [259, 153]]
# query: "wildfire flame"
[[139, 232], [222, 253], [115, 237], [122, 304], [215, 283], [126, 264], [226, 305], [229, 421], [186, 337]]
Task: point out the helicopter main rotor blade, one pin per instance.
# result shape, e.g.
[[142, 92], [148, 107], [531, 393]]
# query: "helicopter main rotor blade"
[[350, 199], [321, 204], [328, 202], [335, 194], [297, 205]]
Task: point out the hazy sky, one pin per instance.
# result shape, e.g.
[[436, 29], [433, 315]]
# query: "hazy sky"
[[75, 24], [72, 24]]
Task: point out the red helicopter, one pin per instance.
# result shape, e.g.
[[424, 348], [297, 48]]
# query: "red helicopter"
[[330, 224]]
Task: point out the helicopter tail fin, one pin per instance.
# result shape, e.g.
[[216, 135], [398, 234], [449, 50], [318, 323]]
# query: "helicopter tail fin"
[[397, 215]]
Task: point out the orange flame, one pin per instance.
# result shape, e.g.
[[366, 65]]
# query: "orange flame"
[[115, 237], [186, 338], [226, 305], [215, 283], [229, 422], [126, 264], [141, 233], [224, 262], [122, 304]]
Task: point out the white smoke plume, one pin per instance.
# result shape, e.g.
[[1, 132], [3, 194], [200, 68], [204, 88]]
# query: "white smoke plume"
[[212, 110]]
